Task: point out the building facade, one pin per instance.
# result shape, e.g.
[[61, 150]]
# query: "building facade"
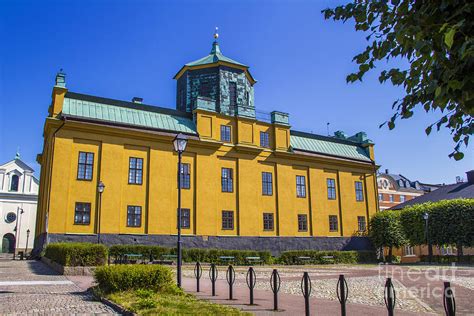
[[18, 201], [247, 183], [395, 189]]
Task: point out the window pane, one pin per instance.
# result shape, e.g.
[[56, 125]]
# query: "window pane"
[[82, 157], [90, 158]]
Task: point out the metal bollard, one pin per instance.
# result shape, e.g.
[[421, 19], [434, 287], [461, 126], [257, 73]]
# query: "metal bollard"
[[275, 283], [230, 276], [197, 274], [251, 279], [342, 291], [449, 302], [389, 296], [306, 288], [213, 272]]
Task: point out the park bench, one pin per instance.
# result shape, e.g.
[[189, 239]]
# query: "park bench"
[[303, 259], [327, 259], [132, 258], [166, 259], [254, 260], [226, 259]]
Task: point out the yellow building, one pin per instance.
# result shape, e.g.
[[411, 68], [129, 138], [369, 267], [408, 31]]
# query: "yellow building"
[[247, 182]]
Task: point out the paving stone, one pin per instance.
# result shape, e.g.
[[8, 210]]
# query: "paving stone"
[[43, 299]]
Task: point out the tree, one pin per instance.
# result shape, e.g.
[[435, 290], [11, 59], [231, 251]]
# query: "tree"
[[413, 223], [437, 40], [452, 223], [386, 231]]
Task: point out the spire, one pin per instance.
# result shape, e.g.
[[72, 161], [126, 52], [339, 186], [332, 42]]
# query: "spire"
[[215, 46]]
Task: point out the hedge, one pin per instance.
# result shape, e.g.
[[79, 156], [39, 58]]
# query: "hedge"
[[77, 254], [132, 277], [291, 257], [192, 254], [448, 259]]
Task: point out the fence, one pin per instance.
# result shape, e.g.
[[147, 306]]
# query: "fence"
[[342, 290]]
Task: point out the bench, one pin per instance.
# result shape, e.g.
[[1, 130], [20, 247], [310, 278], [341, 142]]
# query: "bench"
[[132, 258], [327, 259], [226, 259], [253, 260], [303, 260], [166, 259]]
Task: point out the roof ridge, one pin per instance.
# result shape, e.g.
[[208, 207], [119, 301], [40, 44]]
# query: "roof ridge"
[[322, 137]]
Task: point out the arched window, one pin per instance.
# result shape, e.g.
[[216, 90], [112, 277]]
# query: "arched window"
[[14, 183]]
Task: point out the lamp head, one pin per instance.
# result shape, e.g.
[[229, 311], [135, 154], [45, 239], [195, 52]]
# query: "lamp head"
[[180, 142], [101, 187], [426, 216]]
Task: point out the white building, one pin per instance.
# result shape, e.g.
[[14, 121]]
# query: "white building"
[[18, 200]]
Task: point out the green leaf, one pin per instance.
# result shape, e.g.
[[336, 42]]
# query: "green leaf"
[[428, 129], [449, 37], [458, 156]]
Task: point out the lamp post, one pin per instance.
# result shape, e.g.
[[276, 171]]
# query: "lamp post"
[[27, 237], [426, 217], [179, 144], [100, 189], [17, 234]]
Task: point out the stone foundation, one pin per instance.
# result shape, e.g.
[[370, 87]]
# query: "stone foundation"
[[275, 245]]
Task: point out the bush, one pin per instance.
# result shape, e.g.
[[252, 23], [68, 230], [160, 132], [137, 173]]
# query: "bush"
[[155, 251], [192, 254], [291, 257], [77, 254], [469, 259], [133, 277]]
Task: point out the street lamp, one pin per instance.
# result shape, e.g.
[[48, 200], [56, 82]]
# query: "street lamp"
[[16, 229], [27, 237], [179, 144], [426, 217], [100, 189]]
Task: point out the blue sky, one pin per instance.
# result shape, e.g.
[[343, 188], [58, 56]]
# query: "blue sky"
[[122, 49]]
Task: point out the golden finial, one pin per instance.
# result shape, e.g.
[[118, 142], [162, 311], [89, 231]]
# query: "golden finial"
[[216, 35]]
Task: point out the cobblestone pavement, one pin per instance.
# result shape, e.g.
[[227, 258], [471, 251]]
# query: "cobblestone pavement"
[[419, 288], [30, 287]]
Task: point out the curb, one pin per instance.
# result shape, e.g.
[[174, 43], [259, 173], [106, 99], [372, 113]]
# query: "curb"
[[116, 307]]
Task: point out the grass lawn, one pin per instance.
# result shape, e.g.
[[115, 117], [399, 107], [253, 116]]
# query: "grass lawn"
[[145, 302]]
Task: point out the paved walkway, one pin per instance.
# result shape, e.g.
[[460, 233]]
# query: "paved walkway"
[[415, 289], [30, 287]]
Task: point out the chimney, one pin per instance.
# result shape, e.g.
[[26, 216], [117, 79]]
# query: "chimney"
[[470, 176], [137, 100], [386, 171]]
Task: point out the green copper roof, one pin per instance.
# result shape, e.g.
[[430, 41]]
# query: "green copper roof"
[[128, 113], [327, 146], [214, 56]]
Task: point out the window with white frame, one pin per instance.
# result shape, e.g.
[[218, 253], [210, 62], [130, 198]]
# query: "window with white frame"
[[409, 251]]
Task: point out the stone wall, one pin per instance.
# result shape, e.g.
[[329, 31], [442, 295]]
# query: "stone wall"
[[273, 244]]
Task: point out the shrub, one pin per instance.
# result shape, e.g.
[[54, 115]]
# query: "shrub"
[[77, 254], [291, 257], [155, 251], [133, 277], [469, 259], [191, 254]]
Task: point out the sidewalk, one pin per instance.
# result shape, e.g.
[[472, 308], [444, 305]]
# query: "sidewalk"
[[288, 304]]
